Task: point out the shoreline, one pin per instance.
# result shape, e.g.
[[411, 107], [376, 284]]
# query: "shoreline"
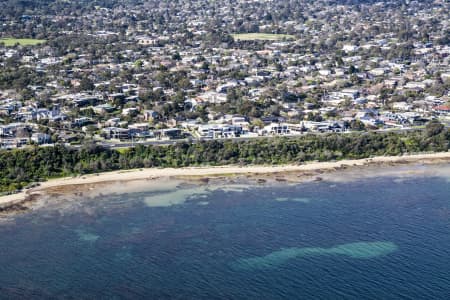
[[15, 201]]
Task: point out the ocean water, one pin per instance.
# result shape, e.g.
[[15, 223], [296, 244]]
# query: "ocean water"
[[385, 237]]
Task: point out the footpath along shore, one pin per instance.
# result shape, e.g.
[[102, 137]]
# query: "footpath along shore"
[[137, 174]]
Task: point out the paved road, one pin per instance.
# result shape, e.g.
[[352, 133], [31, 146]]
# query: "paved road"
[[122, 145], [112, 145]]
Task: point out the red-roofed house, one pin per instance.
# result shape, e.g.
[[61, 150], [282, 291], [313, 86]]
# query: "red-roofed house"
[[442, 109]]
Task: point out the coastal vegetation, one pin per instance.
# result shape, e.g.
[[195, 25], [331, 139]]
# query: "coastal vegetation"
[[22, 167]]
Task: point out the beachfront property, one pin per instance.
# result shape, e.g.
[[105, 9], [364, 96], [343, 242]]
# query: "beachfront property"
[[220, 131], [275, 129]]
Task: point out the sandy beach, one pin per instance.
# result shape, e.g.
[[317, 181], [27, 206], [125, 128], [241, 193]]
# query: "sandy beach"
[[198, 172]]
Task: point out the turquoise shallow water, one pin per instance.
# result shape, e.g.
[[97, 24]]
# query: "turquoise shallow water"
[[372, 238]]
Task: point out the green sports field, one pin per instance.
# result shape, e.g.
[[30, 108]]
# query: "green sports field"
[[262, 37], [23, 42]]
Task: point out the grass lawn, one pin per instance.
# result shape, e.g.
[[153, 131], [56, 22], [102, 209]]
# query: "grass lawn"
[[262, 36], [23, 42], [122, 150]]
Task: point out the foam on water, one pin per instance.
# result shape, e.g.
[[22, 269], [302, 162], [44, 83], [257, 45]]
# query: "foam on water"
[[123, 254], [239, 188], [399, 180], [358, 250], [302, 200], [399, 173], [86, 236]]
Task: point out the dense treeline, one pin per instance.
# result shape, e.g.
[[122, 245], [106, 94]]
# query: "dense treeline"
[[20, 167]]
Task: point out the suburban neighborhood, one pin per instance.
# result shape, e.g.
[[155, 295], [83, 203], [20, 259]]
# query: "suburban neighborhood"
[[116, 75]]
